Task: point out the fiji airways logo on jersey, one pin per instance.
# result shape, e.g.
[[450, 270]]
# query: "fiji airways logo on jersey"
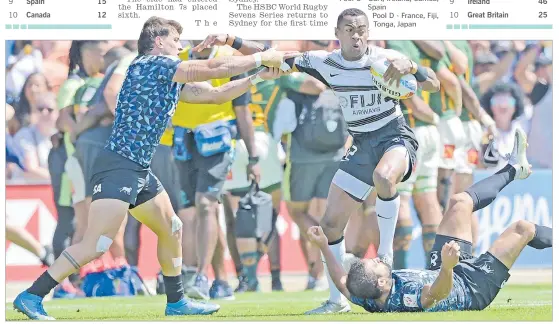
[[363, 104]]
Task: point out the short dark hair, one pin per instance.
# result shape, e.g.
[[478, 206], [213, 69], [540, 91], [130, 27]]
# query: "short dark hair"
[[362, 283], [153, 27], [354, 12]]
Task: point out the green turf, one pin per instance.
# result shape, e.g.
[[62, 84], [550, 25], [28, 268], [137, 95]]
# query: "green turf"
[[514, 303]]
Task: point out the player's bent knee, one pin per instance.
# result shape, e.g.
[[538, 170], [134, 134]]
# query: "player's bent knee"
[[176, 225], [461, 200], [524, 228], [332, 227], [385, 178]]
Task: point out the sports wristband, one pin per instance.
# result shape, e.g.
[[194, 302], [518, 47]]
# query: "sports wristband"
[[255, 79], [257, 59], [421, 74], [253, 160], [237, 43], [436, 119]]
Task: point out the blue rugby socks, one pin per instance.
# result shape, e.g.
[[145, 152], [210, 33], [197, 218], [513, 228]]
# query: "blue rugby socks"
[[173, 288], [43, 285]]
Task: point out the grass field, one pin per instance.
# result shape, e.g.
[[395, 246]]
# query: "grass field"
[[514, 303]]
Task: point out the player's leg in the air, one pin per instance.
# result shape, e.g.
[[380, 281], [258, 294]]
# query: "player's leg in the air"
[[457, 222], [488, 273], [467, 161]]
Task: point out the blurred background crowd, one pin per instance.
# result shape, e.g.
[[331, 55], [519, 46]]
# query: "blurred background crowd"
[[38, 72], [35, 70]]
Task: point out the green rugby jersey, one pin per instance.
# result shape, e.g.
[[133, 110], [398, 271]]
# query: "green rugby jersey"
[[440, 102], [409, 49], [464, 46], [85, 93]]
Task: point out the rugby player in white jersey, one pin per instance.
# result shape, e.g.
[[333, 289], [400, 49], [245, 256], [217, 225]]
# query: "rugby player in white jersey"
[[384, 147]]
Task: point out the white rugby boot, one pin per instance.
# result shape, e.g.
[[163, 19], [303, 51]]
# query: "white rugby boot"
[[329, 307], [517, 158]]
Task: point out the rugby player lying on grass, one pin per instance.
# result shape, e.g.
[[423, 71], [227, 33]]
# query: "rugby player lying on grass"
[[455, 279]]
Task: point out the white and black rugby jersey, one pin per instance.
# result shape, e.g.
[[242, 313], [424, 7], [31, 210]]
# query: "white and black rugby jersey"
[[364, 106]]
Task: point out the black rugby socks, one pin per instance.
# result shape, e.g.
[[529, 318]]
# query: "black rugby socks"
[[43, 285], [173, 288], [543, 238], [485, 191]]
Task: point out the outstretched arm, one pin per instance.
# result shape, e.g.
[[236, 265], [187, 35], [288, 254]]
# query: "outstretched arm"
[[442, 286], [228, 66], [205, 93], [336, 271]]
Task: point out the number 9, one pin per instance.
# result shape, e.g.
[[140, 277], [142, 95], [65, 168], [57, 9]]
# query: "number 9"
[[10, 1], [451, 1]]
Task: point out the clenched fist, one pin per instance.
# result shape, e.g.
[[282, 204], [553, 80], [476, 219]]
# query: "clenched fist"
[[317, 237], [450, 255]]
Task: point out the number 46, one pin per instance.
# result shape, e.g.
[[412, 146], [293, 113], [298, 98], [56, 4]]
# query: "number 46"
[[542, 1]]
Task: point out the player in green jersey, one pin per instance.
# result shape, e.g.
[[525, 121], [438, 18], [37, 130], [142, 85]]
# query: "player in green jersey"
[[447, 103]]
